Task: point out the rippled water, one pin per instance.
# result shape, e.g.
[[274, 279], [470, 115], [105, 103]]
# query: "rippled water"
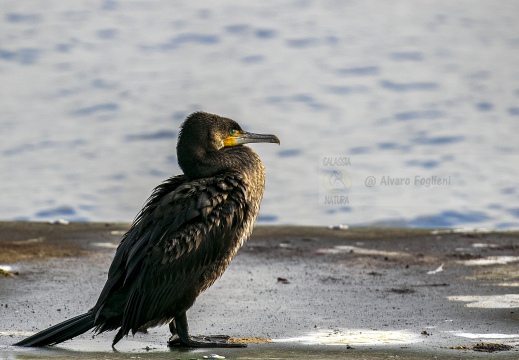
[[93, 93]]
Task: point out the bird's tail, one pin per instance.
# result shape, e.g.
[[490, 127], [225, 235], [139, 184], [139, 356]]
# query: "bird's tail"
[[60, 332]]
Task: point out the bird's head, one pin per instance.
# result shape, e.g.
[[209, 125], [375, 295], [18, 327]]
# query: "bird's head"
[[202, 138]]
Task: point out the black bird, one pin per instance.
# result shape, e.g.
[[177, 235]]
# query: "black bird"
[[182, 240]]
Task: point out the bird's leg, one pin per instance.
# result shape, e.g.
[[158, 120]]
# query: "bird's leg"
[[180, 337], [173, 329]]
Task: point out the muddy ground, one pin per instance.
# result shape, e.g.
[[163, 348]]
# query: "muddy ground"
[[312, 292]]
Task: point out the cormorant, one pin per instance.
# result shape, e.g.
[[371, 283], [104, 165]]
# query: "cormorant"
[[182, 240]]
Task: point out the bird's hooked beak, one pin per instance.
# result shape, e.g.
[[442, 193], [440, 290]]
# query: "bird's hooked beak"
[[244, 137]]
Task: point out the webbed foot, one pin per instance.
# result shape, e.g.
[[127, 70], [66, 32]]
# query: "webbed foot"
[[180, 337], [210, 341]]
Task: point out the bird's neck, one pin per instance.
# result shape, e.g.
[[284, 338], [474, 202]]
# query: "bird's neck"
[[199, 163]]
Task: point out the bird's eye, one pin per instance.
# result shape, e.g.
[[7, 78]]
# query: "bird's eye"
[[232, 132]]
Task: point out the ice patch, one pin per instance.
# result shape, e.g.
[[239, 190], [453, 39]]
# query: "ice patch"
[[106, 245], [463, 230], [356, 337], [506, 301], [482, 245], [491, 260], [485, 336], [359, 250]]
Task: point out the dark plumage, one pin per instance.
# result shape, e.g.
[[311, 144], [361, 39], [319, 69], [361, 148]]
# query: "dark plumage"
[[182, 240]]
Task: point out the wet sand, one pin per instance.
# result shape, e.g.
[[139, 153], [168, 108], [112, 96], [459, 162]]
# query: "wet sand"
[[314, 292]]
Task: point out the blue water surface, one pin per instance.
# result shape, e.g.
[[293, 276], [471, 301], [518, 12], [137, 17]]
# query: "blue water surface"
[[421, 98]]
